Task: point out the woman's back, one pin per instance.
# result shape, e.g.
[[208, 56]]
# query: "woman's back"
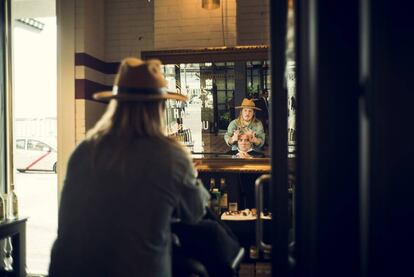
[[124, 183], [115, 221]]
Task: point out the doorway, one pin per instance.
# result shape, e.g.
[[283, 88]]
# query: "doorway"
[[34, 78]]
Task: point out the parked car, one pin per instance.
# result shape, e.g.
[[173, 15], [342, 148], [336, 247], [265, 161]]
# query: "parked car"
[[34, 155]]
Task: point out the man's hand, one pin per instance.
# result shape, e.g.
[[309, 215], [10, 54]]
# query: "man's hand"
[[249, 132], [254, 139], [235, 137], [243, 155], [197, 163]]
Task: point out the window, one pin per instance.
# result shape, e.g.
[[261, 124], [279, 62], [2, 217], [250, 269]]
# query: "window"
[[34, 83]]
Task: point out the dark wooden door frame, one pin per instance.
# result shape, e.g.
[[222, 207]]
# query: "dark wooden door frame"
[[389, 97], [278, 139], [327, 45]]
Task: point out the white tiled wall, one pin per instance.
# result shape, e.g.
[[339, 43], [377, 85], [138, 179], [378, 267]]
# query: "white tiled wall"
[[80, 120], [95, 28], [82, 72], [252, 22], [184, 24], [79, 26], [90, 39], [129, 28], [87, 114], [94, 111], [90, 27], [113, 29]]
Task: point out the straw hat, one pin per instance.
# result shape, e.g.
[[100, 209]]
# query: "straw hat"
[[139, 80], [248, 103]]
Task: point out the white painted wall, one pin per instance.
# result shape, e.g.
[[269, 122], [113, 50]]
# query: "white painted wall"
[[113, 29], [90, 25], [185, 24], [252, 22], [129, 28]]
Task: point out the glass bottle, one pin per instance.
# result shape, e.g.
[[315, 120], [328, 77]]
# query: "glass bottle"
[[224, 195], [8, 255], [215, 201], [14, 202], [212, 184], [2, 208], [253, 252], [210, 189]]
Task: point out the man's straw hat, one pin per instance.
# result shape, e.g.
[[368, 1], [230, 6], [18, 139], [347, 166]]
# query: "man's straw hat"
[[139, 80], [247, 103]]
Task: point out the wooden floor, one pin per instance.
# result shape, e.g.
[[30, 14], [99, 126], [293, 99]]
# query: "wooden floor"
[[259, 269]]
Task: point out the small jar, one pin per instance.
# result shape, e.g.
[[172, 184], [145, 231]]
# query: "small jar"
[[233, 207], [253, 252]]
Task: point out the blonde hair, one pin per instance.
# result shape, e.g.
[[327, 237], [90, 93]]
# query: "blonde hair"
[[239, 121], [130, 119], [124, 122]]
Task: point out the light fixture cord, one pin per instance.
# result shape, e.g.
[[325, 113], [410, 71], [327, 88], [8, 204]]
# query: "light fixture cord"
[[222, 24]]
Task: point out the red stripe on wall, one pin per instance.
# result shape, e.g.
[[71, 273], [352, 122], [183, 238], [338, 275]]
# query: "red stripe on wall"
[[84, 89], [84, 59]]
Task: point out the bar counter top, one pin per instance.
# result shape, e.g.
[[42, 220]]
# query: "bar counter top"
[[254, 165]]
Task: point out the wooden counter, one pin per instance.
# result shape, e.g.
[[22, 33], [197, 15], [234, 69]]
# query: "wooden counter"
[[232, 165]]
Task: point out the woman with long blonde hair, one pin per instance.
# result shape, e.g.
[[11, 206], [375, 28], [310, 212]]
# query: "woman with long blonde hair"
[[248, 124], [124, 184]]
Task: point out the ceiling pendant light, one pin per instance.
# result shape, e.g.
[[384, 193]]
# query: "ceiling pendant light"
[[210, 4]]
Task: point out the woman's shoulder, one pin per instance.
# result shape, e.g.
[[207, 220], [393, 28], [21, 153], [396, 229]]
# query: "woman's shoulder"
[[80, 157], [82, 149], [168, 147], [179, 157], [179, 151]]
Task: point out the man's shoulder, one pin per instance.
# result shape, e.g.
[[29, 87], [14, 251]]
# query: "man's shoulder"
[[232, 152], [256, 153]]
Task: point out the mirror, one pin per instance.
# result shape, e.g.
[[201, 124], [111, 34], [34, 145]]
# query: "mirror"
[[220, 83]]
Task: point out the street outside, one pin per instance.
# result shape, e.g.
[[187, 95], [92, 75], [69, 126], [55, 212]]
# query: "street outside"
[[37, 195]]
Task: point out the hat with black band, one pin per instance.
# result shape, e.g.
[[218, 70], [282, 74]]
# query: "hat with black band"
[[139, 80]]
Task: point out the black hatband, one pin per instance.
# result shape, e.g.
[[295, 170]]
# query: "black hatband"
[[144, 91]]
